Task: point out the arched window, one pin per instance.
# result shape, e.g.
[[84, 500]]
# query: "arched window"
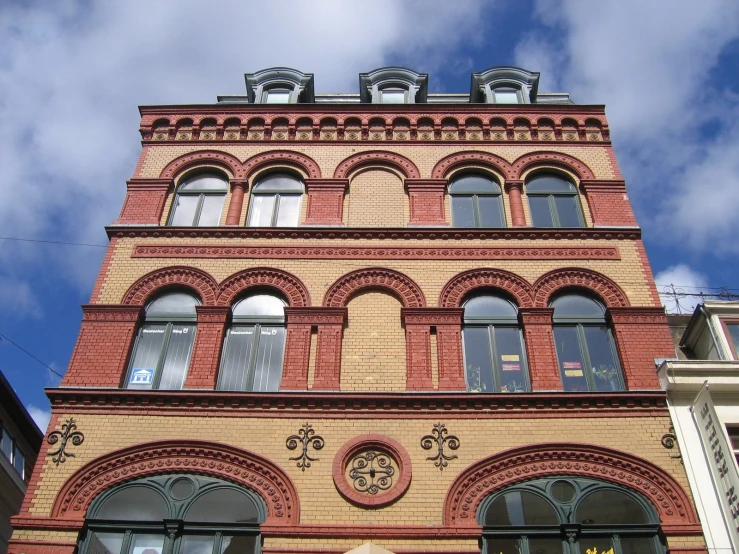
[[553, 202], [254, 346], [275, 201], [199, 201], [476, 202], [161, 355], [585, 349], [177, 514], [568, 515], [494, 355]]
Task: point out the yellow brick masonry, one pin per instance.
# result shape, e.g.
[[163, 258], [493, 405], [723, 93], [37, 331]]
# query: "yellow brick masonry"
[[431, 275], [376, 199]]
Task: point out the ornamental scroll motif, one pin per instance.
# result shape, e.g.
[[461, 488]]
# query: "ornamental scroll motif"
[[439, 437], [372, 471], [306, 437], [68, 434]]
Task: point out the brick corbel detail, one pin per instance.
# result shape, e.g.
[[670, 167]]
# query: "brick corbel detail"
[[325, 201], [101, 352], [238, 189], [426, 199], [144, 201], [448, 325], [330, 323], [642, 334], [543, 366], [203, 372], [608, 202], [514, 190]]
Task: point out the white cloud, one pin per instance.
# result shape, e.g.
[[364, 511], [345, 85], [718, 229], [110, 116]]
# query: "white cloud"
[[40, 416], [72, 73], [676, 283], [654, 66], [17, 298]]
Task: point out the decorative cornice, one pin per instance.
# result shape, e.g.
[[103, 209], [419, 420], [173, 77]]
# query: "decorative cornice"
[[377, 253], [111, 313], [406, 166], [549, 283], [377, 233], [338, 185], [316, 315], [536, 316], [409, 293], [213, 314], [459, 286], [149, 184], [432, 316], [603, 185], [636, 315], [302, 404], [426, 185]]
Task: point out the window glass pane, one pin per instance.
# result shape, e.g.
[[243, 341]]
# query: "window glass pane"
[[473, 184], [606, 373], [7, 444], [638, 545], [173, 303], [239, 545], [510, 362], [210, 214], [520, 508], [177, 358], [204, 181], [548, 183], [704, 347], [479, 366], [570, 359], [610, 507], [135, 504], [279, 182], [568, 210], [463, 213], [503, 546], [237, 354], [260, 304], [576, 305], [393, 97], [196, 545], [489, 306], [145, 360], [223, 506], [278, 97], [491, 211], [262, 208], [545, 546], [540, 213], [147, 544], [184, 210], [105, 543], [734, 335], [268, 367], [597, 545], [19, 462], [289, 211], [506, 97]]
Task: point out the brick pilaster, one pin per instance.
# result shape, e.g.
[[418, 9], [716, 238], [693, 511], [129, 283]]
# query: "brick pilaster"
[[206, 352], [144, 201], [418, 348], [514, 189], [426, 199], [330, 323], [238, 188], [325, 201], [542, 357], [608, 202], [448, 325]]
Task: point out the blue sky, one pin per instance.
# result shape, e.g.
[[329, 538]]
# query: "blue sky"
[[72, 74]]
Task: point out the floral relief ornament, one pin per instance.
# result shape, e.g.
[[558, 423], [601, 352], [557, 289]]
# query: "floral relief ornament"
[[68, 434]]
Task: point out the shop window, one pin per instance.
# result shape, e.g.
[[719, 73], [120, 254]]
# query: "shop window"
[[494, 353], [567, 515], [476, 202], [199, 201], [275, 201], [585, 348], [554, 202], [177, 514], [161, 355], [254, 346]]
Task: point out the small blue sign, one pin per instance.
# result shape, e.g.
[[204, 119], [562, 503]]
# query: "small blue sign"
[[142, 376]]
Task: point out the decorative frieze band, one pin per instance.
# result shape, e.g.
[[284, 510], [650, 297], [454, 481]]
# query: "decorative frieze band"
[[113, 313], [318, 315], [384, 253], [637, 315], [432, 316]]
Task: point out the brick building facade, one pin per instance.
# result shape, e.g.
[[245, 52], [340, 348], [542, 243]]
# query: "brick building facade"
[[436, 366]]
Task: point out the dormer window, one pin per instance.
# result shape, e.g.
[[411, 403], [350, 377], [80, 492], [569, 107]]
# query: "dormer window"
[[393, 96], [393, 85], [279, 85], [504, 95], [276, 96], [504, 85]]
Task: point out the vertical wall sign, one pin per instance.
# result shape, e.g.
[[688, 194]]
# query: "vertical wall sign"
[[720, 460]]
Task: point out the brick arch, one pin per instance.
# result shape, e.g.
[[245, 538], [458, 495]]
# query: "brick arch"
[[213, 459], [285, 157], [202, 157], [191, 278], [400, 285], [463, 283], [290, 286], [535, 461], [549, 283], [445, 165], [406, 167], [556, 159]]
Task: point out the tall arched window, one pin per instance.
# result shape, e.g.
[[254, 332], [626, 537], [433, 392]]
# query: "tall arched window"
[[161, 355], [254, 346], [275, 201], [177, 514], [476, 202], [494, 355], [585, 349], [199, 201], [567, 516], [553, 202]]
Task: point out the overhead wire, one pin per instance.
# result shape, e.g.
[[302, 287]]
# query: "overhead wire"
[[19, 347]]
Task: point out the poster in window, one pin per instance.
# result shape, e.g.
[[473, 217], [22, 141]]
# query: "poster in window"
[[510, 367], [510, 358], [572, 365], [141, 376]]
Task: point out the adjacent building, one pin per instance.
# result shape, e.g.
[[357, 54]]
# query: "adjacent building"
[[423, 321]]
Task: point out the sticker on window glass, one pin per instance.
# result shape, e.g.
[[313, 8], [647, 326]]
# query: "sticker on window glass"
[[573, 372], [509, 357], [142, 376], [511, 367], [572, 365], [242, 332], [269, 332]]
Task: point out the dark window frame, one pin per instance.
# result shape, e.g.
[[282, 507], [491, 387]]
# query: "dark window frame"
[[725, 322], [200, 193], [277, 194], [13, 451], [475, 195], [551, 195]]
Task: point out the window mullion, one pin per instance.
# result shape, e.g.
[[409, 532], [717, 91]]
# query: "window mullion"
[[494, 358], [217, 541], [587, 366], [476, 210], [252, 368], [553, 211], [162, 356], [127, 538], [275, 210], [198, 209]]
